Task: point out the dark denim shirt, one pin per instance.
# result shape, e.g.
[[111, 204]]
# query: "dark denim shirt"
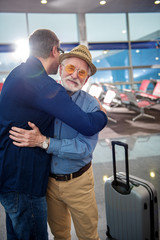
[[29, 94]]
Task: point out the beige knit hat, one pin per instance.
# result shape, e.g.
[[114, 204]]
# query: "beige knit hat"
[[81, 51]]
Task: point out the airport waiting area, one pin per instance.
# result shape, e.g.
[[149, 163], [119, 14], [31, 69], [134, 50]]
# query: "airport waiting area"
[[142, 134], [123, 39]]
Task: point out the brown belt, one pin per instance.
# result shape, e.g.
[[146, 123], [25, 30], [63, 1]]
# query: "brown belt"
[[66, 177]]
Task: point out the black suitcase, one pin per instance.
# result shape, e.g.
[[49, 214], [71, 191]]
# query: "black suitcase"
[[131, 205]]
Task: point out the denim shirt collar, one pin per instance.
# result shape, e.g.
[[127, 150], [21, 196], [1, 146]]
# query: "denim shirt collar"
[[75, 95]]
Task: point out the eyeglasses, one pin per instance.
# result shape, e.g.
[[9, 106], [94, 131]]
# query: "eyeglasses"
[[70, 69], [60, 50]]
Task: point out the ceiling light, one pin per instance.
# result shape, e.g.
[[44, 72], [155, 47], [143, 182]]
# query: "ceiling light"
[[105, 51], [102, 2], [43, 1], [123, 31], [152, 174], [157, 2]]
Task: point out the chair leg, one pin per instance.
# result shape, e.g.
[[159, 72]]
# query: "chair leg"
[[111, 119], [141, 115]]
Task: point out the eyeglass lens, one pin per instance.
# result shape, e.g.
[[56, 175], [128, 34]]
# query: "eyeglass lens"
[[71, 69]]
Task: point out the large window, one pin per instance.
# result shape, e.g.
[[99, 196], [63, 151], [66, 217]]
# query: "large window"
[[106, 27], [111, 76], [144, 26], [12, 27], [110, 58], [17, 26], [145, 56], [107, 38], [146, 73], [8, 61], [64, 25]]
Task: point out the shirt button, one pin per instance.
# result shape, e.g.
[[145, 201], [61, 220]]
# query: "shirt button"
[[55, 164]]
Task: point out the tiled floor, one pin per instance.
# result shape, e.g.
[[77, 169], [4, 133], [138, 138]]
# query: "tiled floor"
[[144, 157]]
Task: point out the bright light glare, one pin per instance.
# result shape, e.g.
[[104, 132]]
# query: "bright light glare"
[[157, 2], [22, 50], [123, 31], [105, 51], [152, 174], [105, 177], [102, 2], [44, 1]]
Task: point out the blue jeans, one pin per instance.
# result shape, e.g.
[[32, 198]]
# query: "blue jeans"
[[26, 216]]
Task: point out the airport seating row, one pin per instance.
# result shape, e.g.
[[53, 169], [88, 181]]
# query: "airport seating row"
[[137, 100]]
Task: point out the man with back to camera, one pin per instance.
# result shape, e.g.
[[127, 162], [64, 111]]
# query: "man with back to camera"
[[30, 94], [71, 182]]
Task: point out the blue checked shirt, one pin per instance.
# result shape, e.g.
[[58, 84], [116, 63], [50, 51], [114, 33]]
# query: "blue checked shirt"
[[72, 150]]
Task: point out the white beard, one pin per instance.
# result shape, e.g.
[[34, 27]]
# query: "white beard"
[[72, 85]]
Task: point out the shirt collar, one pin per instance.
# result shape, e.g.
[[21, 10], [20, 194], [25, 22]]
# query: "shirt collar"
[[75, 95], [34, 60]]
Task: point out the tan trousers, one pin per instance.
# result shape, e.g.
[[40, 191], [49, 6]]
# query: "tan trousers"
[[74, 198]]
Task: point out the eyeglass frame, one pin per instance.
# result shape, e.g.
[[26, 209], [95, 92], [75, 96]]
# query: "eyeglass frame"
[[75, 70], [60, 50]]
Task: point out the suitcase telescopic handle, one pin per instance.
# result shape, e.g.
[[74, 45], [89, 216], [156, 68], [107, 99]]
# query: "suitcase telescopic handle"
[[126, 162]]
